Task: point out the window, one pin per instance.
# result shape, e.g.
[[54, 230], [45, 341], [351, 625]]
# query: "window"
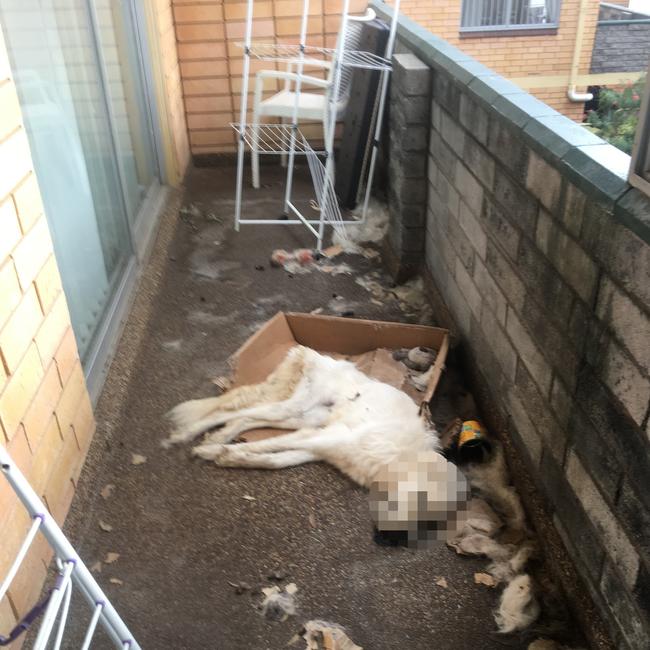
[[640, 167], [499, 15]]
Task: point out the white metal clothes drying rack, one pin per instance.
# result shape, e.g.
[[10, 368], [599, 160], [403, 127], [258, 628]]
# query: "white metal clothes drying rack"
[[287, 139], [71, 572]]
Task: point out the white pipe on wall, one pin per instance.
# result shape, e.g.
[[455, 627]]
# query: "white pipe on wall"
[[577, 50]]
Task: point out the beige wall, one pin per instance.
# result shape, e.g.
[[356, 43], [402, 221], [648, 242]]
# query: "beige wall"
[[46, 419], [169, 89], [541, 64], [211, 62]]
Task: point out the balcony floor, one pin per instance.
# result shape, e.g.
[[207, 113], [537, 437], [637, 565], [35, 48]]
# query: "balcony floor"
[[183, 529]]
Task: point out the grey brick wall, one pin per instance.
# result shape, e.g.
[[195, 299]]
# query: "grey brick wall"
[[621, 48], [542, 255], [407, 164]]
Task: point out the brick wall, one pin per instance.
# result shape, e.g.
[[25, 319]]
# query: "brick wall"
[[174, 120], [547, 57], [624, 47], [46, 419], [211, 62], [542, 255]]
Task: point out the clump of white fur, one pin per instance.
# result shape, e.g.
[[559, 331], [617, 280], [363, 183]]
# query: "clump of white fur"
[[518, 607]]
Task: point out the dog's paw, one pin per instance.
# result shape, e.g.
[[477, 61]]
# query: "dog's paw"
[[211, 451]]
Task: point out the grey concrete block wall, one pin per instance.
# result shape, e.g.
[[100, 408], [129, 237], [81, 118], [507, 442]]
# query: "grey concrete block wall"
[[542, 255], [409, 106], [623, 47]]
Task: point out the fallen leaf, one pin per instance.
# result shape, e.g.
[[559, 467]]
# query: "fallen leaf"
[[333, 251], [442, 582], [291, 588], [315, 312], [248, 497], [96, 568], [111, 557], [107, 528], [138, 459], [115, 581], [240, 587], [485, 579], [107, 491], [312, 520]]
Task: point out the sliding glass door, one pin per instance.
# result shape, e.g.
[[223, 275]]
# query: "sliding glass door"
[[78, 68]]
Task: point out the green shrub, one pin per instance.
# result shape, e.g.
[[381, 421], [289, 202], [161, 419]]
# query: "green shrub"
[[617, 115]]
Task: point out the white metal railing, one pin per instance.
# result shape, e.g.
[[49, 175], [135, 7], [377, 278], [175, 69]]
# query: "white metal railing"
[[496, 15], [71, 572]]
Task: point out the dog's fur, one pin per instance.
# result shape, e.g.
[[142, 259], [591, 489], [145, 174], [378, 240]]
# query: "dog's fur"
[[339, 415]]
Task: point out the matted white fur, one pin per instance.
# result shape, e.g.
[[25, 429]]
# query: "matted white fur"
[[518, 607]]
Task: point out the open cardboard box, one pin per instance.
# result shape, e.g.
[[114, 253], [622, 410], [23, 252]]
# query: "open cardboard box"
[[365, 342]]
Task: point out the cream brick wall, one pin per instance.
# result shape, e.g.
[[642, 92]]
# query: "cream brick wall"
[[174, 120], [548, 57], [46, 419], [211, 62]]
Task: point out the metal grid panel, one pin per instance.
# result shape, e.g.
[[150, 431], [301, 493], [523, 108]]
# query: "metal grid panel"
[[273, 138], [492, 15]]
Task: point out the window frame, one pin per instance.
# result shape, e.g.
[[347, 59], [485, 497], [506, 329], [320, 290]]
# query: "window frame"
[[638, 176], [550, 27]]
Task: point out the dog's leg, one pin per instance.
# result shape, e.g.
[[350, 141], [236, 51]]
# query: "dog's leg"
[[231, 430], [250, 459], [196, 416]]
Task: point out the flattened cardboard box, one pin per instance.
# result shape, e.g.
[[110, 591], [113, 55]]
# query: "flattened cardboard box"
[[367, 343]]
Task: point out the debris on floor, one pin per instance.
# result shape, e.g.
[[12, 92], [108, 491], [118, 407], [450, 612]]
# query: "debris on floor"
[[138, 459], [304, 260], [321, 635], [107, 491], [279, 604], [372, 230], [442, 582], [484, 579], [111, 557], [410, 296], [240, 587], [107, 528]]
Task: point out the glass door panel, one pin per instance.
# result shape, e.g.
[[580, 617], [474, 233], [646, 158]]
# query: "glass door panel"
[[54, 60]]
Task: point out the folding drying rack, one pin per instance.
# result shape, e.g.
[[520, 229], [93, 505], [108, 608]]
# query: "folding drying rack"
[[287, 139], [71, 571]]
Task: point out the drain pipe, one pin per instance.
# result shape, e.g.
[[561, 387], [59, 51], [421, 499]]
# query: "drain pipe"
[[580, 29]]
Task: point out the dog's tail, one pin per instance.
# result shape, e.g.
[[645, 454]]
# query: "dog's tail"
[[187, 415]]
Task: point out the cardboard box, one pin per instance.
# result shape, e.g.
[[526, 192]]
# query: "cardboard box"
[[365, 342]]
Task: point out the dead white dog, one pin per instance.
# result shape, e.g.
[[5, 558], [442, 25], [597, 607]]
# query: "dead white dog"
[[367, 429]]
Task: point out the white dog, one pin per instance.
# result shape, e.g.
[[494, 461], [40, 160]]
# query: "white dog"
[[370, 431]]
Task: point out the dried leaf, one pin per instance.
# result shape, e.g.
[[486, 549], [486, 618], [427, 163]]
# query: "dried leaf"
[[485, 579], [107, 491], [138, 459], [312, 520], [291, 588], [315, 312], [248, 497], [96, 568], [107, 528], [111, 557], [333, 251], [115, 581], [442, 582]]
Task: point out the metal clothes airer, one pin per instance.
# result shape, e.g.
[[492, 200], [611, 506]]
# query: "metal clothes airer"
[[271, 138], [71, 572]]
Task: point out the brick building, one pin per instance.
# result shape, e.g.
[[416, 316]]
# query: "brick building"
[[537, 58]]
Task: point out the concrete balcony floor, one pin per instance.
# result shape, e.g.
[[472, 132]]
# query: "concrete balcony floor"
[[182, 527]]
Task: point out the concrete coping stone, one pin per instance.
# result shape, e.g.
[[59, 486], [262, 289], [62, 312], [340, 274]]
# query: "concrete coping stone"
[[596, 167]]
